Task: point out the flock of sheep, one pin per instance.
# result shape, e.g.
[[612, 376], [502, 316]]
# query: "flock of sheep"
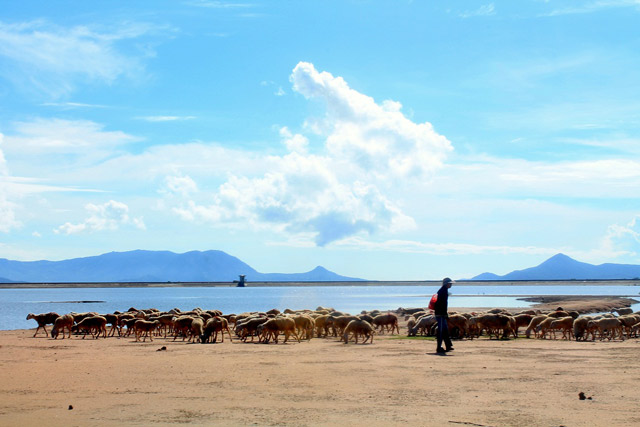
[[209, 325], [501, 323]]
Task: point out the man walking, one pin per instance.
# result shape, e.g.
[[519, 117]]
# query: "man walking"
[[441, 307]]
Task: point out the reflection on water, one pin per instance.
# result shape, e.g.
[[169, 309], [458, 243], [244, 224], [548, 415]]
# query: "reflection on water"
[[15, 304]]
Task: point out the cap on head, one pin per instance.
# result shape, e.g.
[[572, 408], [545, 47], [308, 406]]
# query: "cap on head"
[[447, 281]]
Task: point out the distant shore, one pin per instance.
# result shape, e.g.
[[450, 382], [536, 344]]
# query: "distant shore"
[[431, 283]]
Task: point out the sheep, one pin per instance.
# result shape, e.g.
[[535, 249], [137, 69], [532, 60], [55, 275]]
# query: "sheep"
[[196, 329], [628, 321], [165, 323], [182, 326], [580, 331], [535, 321], [545, 326], [389, 321], [321, 325], [273, 327], [460, 322], [493, 323], [622, 311], [422, 325], [304, 324], [61, 323], [565, 324], [145, 328], [93, 324], [338, 323], [212, 327], [114, 321], [249, 327], [359, 327], [558, 314], [606, 326], [522, 319], [43, 319]]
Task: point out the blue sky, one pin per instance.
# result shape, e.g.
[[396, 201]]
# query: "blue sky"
[[384, 140]]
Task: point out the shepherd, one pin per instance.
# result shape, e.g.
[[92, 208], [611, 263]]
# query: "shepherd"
[[441, 312]]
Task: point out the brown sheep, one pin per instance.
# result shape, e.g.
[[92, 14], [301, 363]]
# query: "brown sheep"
[[564, 324], [145, 328], [95, 325], [535, 321], [63, 322], [249, 327], [304, 324], [423, 325], [460, 322], [359, 327], [388, 321], [212, 327], [545, 326], [522, 319], [273, 328], [338, 323], [607, 327], [43, 319], [628, 321], [580, 332], [182, 326]]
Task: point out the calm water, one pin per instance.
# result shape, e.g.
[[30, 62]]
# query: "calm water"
[[15, 304]]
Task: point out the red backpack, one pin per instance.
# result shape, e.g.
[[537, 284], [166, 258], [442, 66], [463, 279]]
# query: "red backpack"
[[432, 302]]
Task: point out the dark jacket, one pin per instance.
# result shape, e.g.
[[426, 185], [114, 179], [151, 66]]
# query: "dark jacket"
[[442, 303]]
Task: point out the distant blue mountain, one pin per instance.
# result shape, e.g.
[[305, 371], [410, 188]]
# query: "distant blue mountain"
[[150, 266], [562, 267]]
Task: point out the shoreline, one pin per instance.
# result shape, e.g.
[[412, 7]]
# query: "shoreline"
[[594, 282]]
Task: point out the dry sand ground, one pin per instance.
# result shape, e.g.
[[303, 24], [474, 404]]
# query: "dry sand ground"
[[394, 381]]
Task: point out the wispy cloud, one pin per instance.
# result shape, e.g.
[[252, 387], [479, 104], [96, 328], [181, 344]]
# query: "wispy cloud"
[[166, 118], [72, 105], [484, 10], [213, 4], [52, 58], [594, 6]]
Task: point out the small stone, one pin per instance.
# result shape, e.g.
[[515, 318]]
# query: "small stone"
[[581, 396], [70, 407]]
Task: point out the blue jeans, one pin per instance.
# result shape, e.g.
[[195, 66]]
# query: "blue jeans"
[[443, 332]]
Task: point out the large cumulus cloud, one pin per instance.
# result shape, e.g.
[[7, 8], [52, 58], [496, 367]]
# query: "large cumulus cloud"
[[341, 189]]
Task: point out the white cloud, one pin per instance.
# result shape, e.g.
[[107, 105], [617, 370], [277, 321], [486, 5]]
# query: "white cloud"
[[50, 58], [345, 189], [594, 6], [180, 185], [484, 10], [296, 143], [106, 217], [623, 239], [166, 118], [379, 139], [66, 136]]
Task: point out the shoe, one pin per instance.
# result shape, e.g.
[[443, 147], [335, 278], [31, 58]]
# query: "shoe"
[[440, 350], [450, 349]]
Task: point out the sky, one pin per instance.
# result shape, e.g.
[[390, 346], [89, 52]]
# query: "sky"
[[405, 140]]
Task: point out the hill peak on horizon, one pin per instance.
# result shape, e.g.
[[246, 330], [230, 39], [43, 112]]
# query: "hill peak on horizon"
[[563, 267], [141, 265]]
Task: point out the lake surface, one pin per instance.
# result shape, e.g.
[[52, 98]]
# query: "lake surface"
[[15, 304]]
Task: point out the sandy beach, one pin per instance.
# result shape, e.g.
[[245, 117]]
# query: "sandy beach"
[[322, 382]]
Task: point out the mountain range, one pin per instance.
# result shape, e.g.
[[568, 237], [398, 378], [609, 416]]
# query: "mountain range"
[[151, 266], [563, 267]]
